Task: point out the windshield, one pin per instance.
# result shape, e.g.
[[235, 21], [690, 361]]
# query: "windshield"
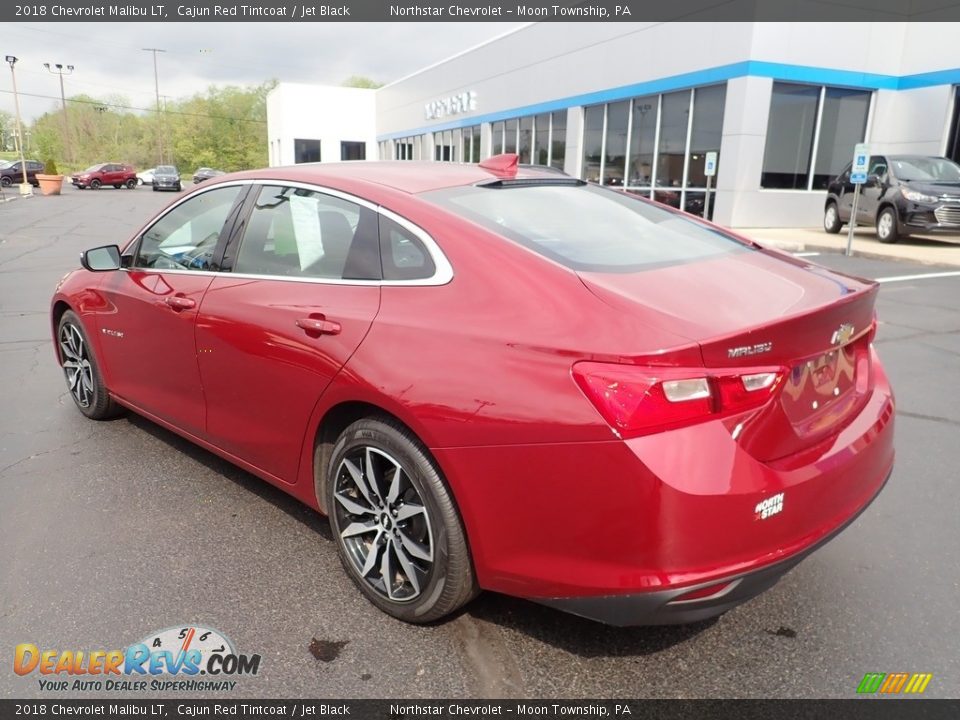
[[930, 169], [587, 228], [165, 170], [93, 168]]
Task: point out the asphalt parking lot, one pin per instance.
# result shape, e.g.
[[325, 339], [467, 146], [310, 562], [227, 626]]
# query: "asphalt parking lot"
[[109, 531]]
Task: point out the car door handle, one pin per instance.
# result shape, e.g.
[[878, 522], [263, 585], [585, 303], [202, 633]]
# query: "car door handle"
[[319, 326], [180, 303]]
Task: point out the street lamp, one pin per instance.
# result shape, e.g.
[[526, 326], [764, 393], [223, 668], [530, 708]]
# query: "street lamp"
[[25, 188], [63, 100]]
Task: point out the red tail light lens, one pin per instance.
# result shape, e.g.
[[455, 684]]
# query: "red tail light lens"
[[637, 400]]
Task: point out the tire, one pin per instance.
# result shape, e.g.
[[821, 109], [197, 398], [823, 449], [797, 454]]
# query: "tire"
[[831, 219], [421, 569], [95, 184], [5, 181], [131, 184], [82, 370], [154, 188], [887, 226]]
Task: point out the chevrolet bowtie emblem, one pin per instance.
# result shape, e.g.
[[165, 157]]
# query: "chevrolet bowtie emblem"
[[842, 335]]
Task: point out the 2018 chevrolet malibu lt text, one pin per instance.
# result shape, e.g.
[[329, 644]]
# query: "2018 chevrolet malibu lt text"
[[497, 378]]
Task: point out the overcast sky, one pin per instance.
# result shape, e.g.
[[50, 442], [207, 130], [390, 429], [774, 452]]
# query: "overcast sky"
[[108, 58]]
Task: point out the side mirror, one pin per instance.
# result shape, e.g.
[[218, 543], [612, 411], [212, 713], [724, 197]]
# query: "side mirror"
[[101, 259], [873, 181]]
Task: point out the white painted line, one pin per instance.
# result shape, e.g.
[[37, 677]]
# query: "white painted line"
[[922, 276], [806, 254]]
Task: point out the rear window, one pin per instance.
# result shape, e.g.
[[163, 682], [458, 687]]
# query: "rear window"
[[586, 228]]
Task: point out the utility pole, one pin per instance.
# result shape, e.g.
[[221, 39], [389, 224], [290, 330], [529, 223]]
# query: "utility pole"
[[156, 88], [25, 188], [63, 100]]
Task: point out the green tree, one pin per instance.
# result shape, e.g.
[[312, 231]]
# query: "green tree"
[[359, 81]]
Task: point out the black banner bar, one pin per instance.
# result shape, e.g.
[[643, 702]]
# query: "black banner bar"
[[477, 10], [153, 709]]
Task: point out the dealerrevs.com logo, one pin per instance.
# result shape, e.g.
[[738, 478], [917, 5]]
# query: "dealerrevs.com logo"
[[187, 658]]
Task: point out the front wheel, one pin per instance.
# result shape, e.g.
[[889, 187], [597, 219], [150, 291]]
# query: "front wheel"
[[5, 181], [82, 372], [397, 529], [131, 184], [94, 184], [831, 219], [887, 226]]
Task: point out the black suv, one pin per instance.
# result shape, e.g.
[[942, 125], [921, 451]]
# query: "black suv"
[[903, 194], [11, 174]]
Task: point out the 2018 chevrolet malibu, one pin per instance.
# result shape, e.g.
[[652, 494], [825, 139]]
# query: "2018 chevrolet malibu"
[[498, 378]]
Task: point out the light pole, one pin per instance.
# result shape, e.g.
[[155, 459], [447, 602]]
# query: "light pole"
[[25, 188], [63, 100], [156, 88]]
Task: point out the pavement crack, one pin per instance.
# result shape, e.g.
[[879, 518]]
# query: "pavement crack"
[[931, 418]]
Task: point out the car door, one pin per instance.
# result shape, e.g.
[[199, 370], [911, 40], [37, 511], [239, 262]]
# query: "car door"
[[148, 335], [877, 182], [271, 334]]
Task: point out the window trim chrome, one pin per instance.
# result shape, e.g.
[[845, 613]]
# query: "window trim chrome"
[[443, 270]]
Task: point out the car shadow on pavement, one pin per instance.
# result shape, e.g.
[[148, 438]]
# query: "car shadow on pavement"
[[576, 635], [248, 481]]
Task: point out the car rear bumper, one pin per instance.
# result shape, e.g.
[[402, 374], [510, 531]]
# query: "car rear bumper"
[[646, 520], [668, 607]]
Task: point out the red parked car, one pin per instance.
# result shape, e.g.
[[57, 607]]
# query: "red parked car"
[[97, 176], [498, 378]]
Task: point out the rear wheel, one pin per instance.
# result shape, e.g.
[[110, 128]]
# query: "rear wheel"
[[397, 530], [887, 226], [82, 372], [94, 184], [831, 219]]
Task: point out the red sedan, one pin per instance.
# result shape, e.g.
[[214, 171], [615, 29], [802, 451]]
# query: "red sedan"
[[500, 378]]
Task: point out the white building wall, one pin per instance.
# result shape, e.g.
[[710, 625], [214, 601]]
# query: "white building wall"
[[328, 114]]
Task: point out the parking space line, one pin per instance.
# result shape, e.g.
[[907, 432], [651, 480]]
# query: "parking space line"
[[806, 254], [921, 276]]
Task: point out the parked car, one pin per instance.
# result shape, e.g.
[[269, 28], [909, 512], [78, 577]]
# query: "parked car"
[[498, 378], [145, 177], [96, 176], [903, 194], [167, 177], [11, 172], [206, 173]]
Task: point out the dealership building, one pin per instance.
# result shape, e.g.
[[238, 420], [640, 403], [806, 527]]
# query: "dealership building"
[[640, 105]]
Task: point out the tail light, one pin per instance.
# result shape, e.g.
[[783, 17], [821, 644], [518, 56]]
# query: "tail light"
[[637, 400]]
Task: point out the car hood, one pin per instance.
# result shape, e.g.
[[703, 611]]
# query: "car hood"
[[165, 176]]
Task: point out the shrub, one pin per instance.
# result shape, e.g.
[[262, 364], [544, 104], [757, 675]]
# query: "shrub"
[[50, 167]]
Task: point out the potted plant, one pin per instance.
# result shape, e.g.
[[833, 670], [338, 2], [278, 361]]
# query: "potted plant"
[[51, 182]]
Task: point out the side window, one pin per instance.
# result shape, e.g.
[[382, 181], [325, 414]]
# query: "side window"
[[878, 166], [185, 238], [402, 253], [295, 232]]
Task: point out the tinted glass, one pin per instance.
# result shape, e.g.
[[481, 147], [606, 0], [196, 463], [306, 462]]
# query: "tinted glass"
[[541, 145], [929, 169], [526, 139], [707, 130], [497, 148], [674, 115], [305, 151], [403, 255], [185, 238], [475, 148], [558, 139], [642, 140], [793, 115], [587, 228], [616, 146], [510, 136], [842, 125], [592, 142], [299, 233]]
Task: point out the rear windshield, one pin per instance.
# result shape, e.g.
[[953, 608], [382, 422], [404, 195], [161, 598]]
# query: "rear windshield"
[[586, 228]]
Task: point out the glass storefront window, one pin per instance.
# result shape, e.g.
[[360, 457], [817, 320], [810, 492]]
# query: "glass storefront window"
[[541, 144], [525, 146], [615, 151], [793, 117], [457, 145], [843, 124], [475, 151], [643, 138], [708, 104], [558, 138], [674, 114], [510, 136], [592, 142], [497, 148]]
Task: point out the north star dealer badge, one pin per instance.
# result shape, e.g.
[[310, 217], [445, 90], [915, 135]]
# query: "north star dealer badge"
[[769, 507]]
